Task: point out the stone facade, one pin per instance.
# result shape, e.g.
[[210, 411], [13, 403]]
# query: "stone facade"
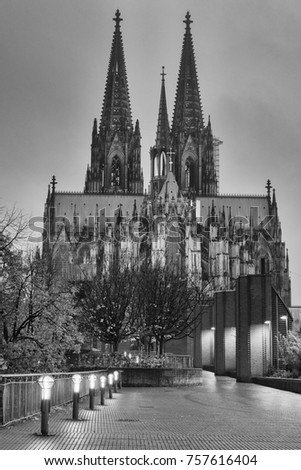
[[184, 220]]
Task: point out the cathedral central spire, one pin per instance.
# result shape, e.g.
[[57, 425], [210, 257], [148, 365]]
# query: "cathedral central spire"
[[162, 138], [158, 153]]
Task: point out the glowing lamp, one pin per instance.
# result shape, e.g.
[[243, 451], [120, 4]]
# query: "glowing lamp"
[[267, 322], [116, 374], [110, 379], [213, 328], [130, 356], [283, 317], [137, 360], [76, 379], [103, 381], [92, 381], [46, 383]]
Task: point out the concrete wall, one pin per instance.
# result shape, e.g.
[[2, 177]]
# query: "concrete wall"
[[290, 385], [208, 337], [253, 309], [225, 332], [247, 322], [138, 377]]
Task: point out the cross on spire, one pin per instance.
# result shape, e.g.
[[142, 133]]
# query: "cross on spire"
[[163, 73], [53, 183], [117, 18], [187, 20]]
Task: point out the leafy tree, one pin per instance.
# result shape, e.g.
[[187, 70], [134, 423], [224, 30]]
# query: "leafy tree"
[[108, 304], [13, 228], [171, 302], [290, 351], [40, 321]]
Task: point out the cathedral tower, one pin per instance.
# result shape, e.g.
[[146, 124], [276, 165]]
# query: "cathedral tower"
[[159, 154], [115, 149], [192, 142]]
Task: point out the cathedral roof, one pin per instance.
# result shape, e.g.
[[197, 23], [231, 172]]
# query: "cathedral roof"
[[163, 130], [170, 188], [188, 113], [116, 111], [235, 206]]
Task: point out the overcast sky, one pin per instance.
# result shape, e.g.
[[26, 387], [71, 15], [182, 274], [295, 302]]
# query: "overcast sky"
[[53, 65]]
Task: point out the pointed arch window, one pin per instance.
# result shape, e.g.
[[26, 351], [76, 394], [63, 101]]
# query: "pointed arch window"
[[115, 172], [189, 173], [156, 166], [162, 164]]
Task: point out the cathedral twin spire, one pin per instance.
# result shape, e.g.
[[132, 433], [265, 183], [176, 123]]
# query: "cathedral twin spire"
[[116, 111], [115, 150], [188, 113], [190, 144]]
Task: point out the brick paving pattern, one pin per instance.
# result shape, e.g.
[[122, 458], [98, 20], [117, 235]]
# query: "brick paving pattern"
[[218, 415]]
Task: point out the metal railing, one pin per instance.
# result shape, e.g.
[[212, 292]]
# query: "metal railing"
[[21, 394]]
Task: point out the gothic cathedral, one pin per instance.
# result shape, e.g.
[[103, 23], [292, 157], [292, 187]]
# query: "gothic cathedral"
[[221, 237]]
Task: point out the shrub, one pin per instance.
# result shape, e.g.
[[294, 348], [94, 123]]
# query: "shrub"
[[88, 361], [290, 352]]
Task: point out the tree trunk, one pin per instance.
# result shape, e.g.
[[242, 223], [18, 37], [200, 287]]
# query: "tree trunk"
[[149, 345], [161, 346]]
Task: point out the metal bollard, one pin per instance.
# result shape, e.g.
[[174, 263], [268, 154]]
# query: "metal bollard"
[[110, 384], [92, 381], [45, 410], [103, 381], [76, 379], [46, 383]]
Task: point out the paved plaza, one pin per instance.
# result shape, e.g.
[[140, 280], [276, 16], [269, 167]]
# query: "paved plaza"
[[220, 414]]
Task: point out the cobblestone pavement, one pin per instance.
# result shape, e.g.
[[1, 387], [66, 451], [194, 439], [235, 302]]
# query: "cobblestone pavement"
[[220, 414]]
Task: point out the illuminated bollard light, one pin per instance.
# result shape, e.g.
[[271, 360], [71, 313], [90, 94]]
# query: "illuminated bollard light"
[[103, 383], [92, 383], [76, 379], [110, 384], [46, 383], [116, 378]]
